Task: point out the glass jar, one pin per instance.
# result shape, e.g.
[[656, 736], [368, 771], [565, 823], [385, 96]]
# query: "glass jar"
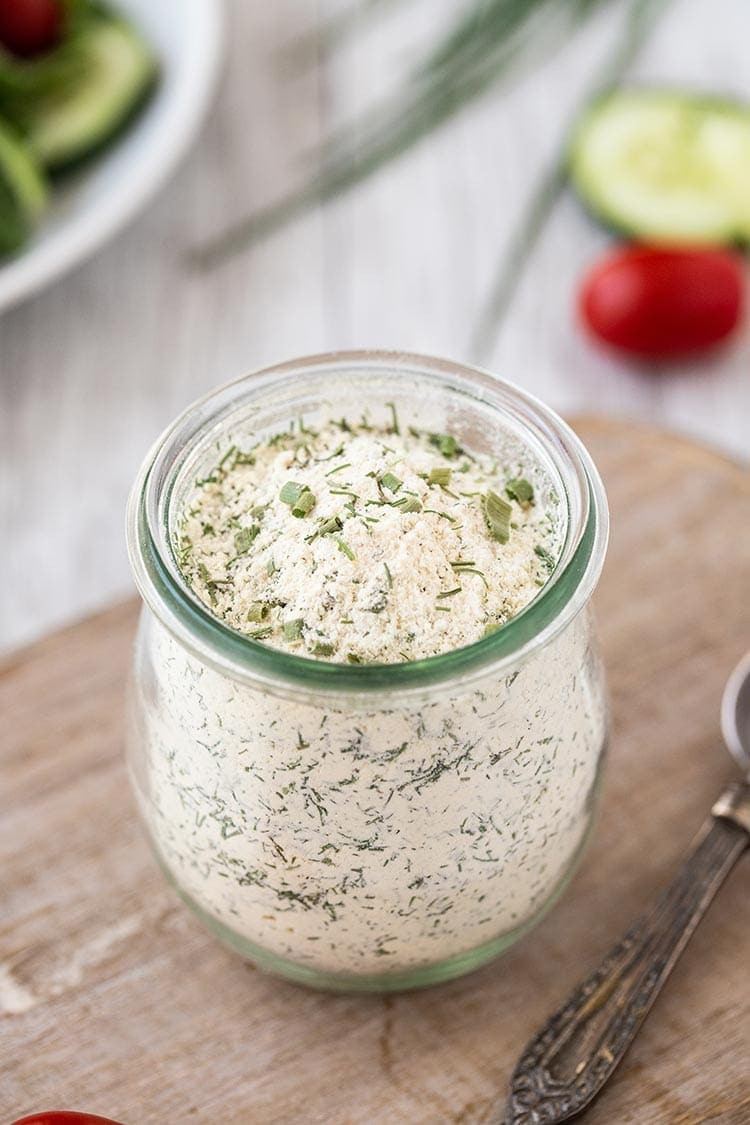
[[368, 827]]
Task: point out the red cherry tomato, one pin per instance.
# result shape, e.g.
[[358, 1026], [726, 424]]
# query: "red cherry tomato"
[[63, 1117], [30, 26], [661, 303]]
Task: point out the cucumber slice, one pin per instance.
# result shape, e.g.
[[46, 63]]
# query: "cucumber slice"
[[22, 192], [118, 69], [665, 167]]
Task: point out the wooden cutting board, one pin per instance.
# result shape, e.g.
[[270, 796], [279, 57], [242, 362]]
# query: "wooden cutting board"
[[114, 1000]]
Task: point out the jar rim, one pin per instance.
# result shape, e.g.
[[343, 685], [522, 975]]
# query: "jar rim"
[[566, 591]]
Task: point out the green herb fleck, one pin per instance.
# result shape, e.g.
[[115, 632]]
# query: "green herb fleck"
[[329, 525], [521, 490], [344, 547], [447, 444], [408, 504], [293, 629], [469, 568], [258, 611], [243, 458], [450, 593], [394, 416], [244, 538], [391, 482], [259, 634], [291, 492], [543, 554], [440, 475], [388, 576], [323, 648], [497, 513], [304, 504]]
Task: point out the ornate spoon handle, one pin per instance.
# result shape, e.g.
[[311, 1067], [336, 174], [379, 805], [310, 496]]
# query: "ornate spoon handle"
[[566, 1065]]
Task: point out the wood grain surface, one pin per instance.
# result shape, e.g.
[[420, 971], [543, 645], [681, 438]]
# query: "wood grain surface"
[[113, 999]]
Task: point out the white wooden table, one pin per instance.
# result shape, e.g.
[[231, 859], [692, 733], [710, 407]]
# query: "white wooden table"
[[91, 369]]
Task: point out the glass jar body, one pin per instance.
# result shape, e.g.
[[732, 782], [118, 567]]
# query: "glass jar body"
[[367, 843]]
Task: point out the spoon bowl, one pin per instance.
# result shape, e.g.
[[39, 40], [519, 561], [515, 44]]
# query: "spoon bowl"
[[735, 714]]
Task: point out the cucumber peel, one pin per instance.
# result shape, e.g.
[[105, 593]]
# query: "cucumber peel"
[[23, 192], [665, 167], [117, 71]]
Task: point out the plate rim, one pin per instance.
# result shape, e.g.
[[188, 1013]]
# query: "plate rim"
[[77, 240]]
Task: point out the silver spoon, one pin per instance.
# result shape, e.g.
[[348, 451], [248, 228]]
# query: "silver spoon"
[[563, 1069]]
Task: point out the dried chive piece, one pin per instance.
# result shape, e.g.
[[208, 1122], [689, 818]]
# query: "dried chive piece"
[[323, 648], [446, 443], [497, 513], [258, 611], [543, 554], [520, 490], [259, 634], [492, 627], [408, 504], [352, 658], [304, 505], [293, 629], [291, 492], [388, 576], [245, 537], [450, 593], [270, 567], [394, 425], [390, 481], [344, 547], [329, 525], [440, 475], [442, 608]]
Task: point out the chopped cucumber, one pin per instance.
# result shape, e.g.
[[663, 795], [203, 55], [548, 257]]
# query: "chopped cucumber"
[[117, 70], [665, 167], [22, 192]]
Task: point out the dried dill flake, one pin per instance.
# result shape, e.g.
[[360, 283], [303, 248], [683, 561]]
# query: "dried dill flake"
[[245, 537], [447, 444], [521, 491]]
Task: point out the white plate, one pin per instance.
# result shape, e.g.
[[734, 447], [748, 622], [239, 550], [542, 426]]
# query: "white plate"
[[108, 193]]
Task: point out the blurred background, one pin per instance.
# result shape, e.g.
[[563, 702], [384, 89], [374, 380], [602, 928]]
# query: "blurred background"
[[96, 362]]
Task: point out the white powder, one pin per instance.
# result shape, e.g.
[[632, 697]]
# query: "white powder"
[[393, 561]]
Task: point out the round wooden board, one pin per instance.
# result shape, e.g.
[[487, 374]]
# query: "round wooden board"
[[117, 1002]]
